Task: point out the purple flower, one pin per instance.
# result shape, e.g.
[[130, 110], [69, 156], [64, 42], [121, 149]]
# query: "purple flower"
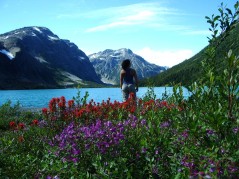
[[51, 143], [201, 173], [75, 160], [155, 170], [107, 145], [137, 155], [223, 150], [55, 177], [108, 124], [87, 146], [99, 137], [144, 150], [209, 132], [164, 124], [126, 122], [75, 151], [113, 129], [134, 118], [185, 134], [42, 123], [133, 124], [143, 122], [232, 169], [212, 169], [120, 124], [235, 130]]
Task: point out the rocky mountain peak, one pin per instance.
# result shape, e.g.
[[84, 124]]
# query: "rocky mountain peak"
[[107, 65], [42, 60], [30, 32]]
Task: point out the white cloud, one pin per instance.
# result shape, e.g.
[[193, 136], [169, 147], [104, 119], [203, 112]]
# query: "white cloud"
[[148, 14], [165, 57], [152, 14], [125, 20]]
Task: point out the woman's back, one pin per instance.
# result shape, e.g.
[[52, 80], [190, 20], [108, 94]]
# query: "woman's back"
[[129, 76]]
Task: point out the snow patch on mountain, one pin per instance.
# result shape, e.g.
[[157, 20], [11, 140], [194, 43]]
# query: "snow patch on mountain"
[[52, 38], [37, 29], [7, 53], [41, 60]]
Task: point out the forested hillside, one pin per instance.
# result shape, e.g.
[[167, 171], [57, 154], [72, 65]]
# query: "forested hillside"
[[191, 70]]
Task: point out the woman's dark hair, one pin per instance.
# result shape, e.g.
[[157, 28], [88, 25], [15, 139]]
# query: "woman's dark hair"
[[125, 64]]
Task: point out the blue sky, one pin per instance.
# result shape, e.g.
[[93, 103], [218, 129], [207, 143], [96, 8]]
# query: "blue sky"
[[164, 32]]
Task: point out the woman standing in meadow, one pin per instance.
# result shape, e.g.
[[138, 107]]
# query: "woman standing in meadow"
[[128, 80]]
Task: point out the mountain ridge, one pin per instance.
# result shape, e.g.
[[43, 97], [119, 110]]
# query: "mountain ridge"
[[42, 60], [107, 65], [34, 57]]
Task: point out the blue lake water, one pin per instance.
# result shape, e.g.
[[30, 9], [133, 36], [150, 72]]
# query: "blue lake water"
[[40, 98]]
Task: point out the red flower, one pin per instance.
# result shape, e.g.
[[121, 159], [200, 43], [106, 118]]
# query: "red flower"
[[52, 104], [44, 111], [70, 103], [61, 105], [12, 124], [62, 102], [131, 96], [80, 112], [35, 122], [21, 126], [132, 109], [125, 104], [164, 103]]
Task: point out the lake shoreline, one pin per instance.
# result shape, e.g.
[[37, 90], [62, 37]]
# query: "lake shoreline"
[[38, 99]]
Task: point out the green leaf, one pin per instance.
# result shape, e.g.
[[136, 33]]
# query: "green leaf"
[[178, 176], [207, 17], [147, 158], [229, 11]]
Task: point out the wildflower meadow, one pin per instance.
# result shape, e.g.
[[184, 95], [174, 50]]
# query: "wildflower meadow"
[[171, 137]]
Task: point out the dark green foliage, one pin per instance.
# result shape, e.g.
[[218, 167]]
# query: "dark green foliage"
[[7, 114]]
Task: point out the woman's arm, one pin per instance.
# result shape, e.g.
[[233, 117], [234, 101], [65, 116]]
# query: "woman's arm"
[[136, 81], [122, 73]]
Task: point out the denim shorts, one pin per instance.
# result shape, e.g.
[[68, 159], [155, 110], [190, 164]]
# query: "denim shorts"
[[127, 89]]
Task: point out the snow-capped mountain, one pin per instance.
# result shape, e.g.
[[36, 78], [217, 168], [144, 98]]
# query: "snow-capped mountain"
[[107, 65], [34, 57]]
